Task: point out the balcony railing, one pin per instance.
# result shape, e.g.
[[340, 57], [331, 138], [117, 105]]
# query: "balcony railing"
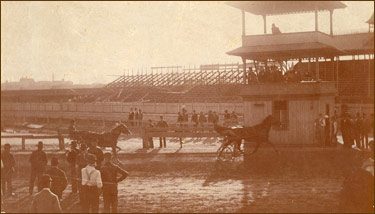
[[287, 38]]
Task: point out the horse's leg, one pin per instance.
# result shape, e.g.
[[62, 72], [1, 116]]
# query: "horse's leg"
[[273, 146], [256, 146]]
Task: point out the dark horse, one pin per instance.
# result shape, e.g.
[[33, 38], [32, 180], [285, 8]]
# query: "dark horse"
[[258, 134], [105, 139]]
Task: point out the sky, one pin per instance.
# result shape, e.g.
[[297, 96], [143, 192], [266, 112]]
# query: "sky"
[[90, 42]]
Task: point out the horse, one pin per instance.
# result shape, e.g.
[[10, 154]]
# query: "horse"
[[258, 134], [105, 139]]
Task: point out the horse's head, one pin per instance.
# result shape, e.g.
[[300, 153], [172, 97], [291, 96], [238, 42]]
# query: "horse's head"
[[270, 121], [122, 128]]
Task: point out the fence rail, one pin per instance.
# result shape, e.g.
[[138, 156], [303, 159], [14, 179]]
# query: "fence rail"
[[59, 137]]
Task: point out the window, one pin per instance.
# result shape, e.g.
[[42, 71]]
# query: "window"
[[280, 112]]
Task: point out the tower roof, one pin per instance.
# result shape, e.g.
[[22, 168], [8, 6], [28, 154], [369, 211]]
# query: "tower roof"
[[285, 7], [371, 20]]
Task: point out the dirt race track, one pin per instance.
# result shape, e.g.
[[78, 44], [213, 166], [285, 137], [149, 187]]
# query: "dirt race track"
[[197, 183]]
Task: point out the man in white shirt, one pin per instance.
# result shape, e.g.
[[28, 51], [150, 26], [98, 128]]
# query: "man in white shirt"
[[91, 185]]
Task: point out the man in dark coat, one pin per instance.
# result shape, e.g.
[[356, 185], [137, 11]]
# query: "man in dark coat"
[[71, 157], [95, 150], [38, 160], [131, 117], [110, 179], [346, 126], [357, 126], [162, 124], [59, 180], [194, 118], [8, 169], [45, 201]]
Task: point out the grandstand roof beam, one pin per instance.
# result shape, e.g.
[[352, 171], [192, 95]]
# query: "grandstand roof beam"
[[330, 23]]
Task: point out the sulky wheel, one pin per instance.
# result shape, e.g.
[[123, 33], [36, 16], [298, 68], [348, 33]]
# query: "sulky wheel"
[[226, 154]]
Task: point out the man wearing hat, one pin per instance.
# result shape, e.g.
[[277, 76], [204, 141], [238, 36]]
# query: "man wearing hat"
[[38, 160], [71, 157], [91, 186], [95, 150], [45, 201], [6, 173], [110, 172], [82, 163], [59, 180]]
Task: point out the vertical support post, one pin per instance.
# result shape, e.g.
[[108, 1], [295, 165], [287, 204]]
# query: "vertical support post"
[[330, 23], [317, 68], [61, 140], [265, 24], [244, 70], [316, 20], [369, 76], [23, 147], [243, 23], [337, 72]]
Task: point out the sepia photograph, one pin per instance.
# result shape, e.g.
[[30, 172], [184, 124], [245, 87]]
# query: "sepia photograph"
[[187, 107]]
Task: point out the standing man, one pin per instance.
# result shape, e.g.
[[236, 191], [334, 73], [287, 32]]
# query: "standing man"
[[140, 117], [334, 130], [110, 179], [321, 129], [131, 117], [45, 201], [91, 185], [327, 131], [150, 140], [210, 117], [72, 129], [194, 118], [346, 130], [95, 150], [38, 160], [216, 118], [365, 130], [7, 170], [59, 180], [202, 119], [357, 126], [162, 124], [82, 163], [71, 157], [136, 116]]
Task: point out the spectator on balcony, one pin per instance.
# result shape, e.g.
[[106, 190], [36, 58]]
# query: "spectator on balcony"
[[252, 78], [162, 124], [275, 30], [194, 118]]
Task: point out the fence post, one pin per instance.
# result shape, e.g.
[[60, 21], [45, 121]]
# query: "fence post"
[[23, 144], [61, 140], [144, 139]]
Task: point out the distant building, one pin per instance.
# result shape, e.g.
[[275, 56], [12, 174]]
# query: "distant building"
[[30, 84]]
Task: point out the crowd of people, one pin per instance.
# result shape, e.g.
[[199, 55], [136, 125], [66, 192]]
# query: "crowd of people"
[[135, 117], [197, 120], [354, 130], [91, 171]]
